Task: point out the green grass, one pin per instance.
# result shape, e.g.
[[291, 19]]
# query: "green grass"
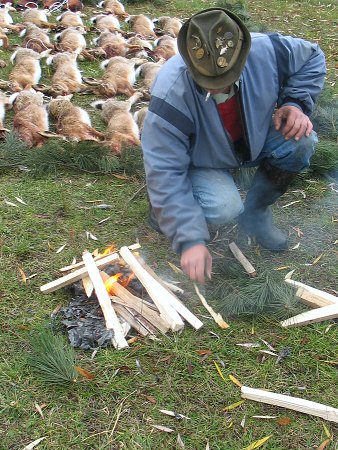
[[116, 410]]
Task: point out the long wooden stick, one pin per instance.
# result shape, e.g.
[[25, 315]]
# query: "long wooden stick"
[[313, 299], [126, 298], [216, 316], [312, 296], [76, 275], [315, 315], [132, 320], [160, 296], [112, 322], [96, 258], [294, 403], [248, 267]]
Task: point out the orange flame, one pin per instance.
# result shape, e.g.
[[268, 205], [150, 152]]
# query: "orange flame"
[[111, 249], [109, 283]]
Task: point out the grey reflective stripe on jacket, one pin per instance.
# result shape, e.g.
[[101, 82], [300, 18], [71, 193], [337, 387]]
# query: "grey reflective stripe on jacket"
[[181, 129]]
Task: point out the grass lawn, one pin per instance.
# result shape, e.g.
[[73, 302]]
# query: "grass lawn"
[[119, 407]]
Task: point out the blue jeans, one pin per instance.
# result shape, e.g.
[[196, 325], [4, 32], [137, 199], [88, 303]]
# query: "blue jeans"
[[216, 192]]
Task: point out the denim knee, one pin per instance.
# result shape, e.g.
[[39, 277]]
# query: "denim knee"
[[223, 210], [294, 156]]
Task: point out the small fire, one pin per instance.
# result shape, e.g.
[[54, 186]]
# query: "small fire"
[[109, 283], [111, 249]]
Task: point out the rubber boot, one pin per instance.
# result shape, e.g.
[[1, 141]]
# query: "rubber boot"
[[268, 185]]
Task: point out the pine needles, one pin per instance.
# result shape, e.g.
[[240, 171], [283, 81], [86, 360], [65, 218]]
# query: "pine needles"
[[265, 294], [52, 361]]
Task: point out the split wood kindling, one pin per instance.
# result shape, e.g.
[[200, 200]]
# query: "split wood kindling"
[[325, 304], [165, 313]]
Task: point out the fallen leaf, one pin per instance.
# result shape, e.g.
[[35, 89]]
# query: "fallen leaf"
[[84, 373], [289, 274], [34, 443], [282, 268], [249, 344], [268, 345], [133, 340], [327, 432], [104, 220], [243, 422], [267, 352], [219, 370], [162, 428], [235, 381], [190, 367], [151, 399], [175, 268], [91, 236], [295, 246], [18, 199], [216, 316], [23, 275], [324, 444], [234, 405], [258, 444], [39, 410], [203, 352], [284, 421], [11, 203], [290, 204], [173, 414], [264, 417], [317, 259], [59, 250], [179, 442]]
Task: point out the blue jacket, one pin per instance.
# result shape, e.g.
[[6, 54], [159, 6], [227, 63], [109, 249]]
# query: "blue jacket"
[[181, 129]]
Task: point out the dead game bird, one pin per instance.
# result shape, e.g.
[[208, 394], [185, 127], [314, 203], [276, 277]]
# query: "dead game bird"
[[73, 122], [121, 130], [30, 116]]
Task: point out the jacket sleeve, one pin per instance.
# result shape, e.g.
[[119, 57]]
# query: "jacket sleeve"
[[166, 139], [301, 71]]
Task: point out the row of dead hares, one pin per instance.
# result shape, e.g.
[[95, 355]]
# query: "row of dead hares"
[[31, 122]]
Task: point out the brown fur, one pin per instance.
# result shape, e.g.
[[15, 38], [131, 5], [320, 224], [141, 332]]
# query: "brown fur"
[[166, 48], [30, 117], [37, 17], [170, 25], [71, 19], [36, 39], [73, 5], [139, 117], [70, 121], [104, 22], [115, 79], [122, 129], [115, 7], [140, 25], [66, 79], [71, 40], [23, 75], [4, 38], [148, 72]]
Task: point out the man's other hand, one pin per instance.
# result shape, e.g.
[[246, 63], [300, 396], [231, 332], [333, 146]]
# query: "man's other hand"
[[292, 122], [196, 262]]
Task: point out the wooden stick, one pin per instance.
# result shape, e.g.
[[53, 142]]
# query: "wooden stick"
[[112, 322], [312, 299], [294, 403], [131, 319], [126, 298], [77, 275], [311, 296], [164, 283], [248, 267], [87, 286], [96, 258], [160, 296], [313, 316], [216, 316]]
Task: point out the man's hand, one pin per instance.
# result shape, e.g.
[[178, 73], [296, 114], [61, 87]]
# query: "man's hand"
[[196, 262], [296, 123]]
